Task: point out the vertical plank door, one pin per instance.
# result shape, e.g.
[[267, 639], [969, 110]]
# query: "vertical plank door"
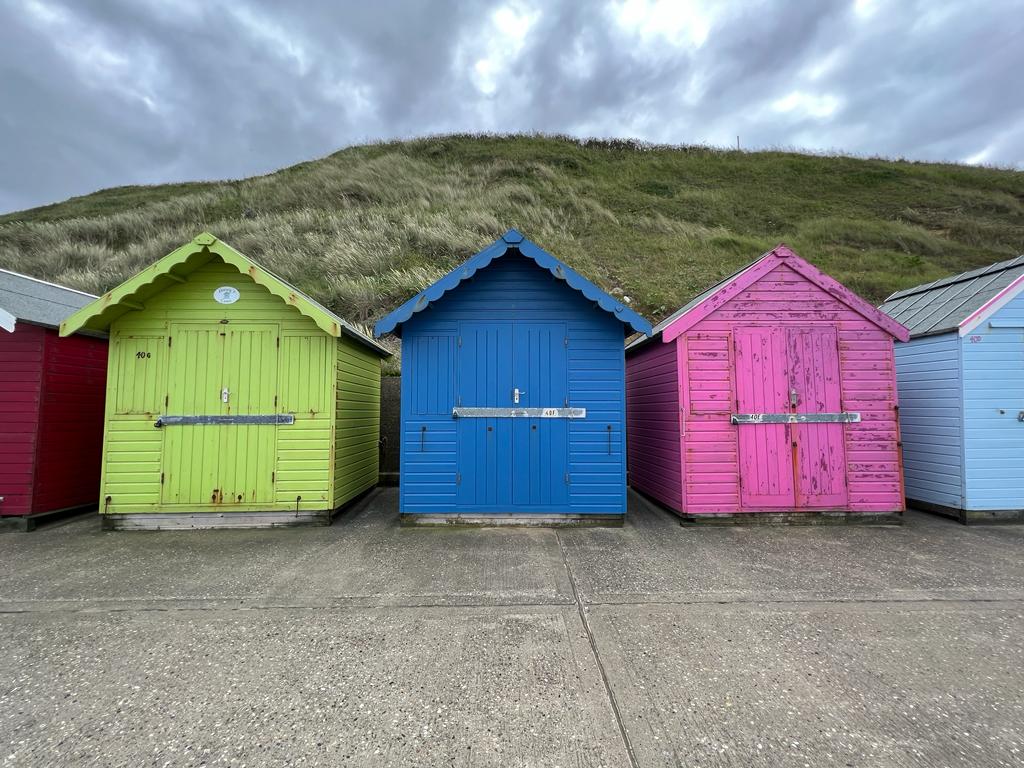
[[765, 453], [191, 453], [248, 451], [820, 450], [484, 372], [540, 446]]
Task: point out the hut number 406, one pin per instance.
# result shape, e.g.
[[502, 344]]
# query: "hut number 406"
[[143, 355]]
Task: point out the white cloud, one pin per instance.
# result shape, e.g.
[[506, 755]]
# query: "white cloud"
[[809, 104], [678, 22]]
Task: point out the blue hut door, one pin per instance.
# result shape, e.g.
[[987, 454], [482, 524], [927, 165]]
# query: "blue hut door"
[[512, 463]]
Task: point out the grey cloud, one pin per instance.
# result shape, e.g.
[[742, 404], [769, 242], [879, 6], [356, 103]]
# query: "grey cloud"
[[119, 92]]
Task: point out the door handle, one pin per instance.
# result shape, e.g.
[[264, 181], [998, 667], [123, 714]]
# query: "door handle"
[[793, 397], [225, 394], [516, 393]]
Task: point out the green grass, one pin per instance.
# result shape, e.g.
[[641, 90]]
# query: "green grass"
[[367, 227]]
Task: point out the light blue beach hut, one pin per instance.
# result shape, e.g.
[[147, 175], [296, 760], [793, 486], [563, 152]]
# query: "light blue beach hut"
[[961, 391]]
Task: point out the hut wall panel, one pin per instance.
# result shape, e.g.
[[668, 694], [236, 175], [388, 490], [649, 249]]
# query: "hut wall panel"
[[21, 366], [931, 418], [783, 298], [357, 421], [993, 371], [652, 416], [306, 390], [71, 422], [514, 288]]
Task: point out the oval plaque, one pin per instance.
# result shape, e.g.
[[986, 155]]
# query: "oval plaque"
[[226, 295]]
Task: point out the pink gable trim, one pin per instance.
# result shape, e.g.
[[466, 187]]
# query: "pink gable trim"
[[782, 254]]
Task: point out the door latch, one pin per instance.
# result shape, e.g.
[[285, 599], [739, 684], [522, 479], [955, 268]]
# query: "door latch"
[[1020, 416], [224, 395], [516, 393], [792, 398]]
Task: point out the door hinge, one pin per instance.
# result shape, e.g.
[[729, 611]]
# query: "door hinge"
[[161, 478], [278, 342], [458, 478], [459, 342], [566, 340], [275, 401], [273, 476], [167, 400], [567, 478], [168, 341]]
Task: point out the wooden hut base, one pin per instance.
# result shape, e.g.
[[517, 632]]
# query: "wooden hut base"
[[33, 521], [176, 521], [971, 516], [795, 518], [540, 521]]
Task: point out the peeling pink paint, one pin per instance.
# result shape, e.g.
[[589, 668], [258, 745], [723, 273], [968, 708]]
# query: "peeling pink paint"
[[778, 338]]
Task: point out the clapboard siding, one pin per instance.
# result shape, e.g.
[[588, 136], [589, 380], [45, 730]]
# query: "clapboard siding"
[[993, 382], [513, 288], [357, 421], [782, 302], [21, 375], [652, 415], [931, 418], [70, 422]]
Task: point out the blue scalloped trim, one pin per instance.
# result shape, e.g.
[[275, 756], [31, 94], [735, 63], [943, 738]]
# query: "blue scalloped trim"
[[432, 293]]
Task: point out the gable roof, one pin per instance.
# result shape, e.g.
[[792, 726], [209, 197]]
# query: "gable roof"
[[511, 241], [35, 301], [177, 265], [713, 298], [960, 302]]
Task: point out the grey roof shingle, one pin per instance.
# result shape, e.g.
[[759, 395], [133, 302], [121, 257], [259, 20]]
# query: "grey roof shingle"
[[36, 301], [941, 306]]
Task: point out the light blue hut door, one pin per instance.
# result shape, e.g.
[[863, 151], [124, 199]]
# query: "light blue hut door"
[[540, 445]]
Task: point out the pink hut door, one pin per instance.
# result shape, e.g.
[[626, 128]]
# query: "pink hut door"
[[762, 386], [820, 449], [794, 466]]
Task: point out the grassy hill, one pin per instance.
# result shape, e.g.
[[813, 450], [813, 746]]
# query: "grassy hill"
[[367, 227]]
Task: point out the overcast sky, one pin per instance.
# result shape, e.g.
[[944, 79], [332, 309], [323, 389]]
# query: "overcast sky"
[[110, 92]]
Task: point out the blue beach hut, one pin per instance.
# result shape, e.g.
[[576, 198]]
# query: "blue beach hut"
[[513, 393], [961, 390]]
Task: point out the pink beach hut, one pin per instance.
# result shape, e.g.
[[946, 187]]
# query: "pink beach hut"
[[771, 394]]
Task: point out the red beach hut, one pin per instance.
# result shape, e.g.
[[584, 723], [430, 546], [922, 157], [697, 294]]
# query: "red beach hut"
[[51, 403], [771, 394]]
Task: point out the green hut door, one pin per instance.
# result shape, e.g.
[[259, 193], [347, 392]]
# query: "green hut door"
[[221, 370]]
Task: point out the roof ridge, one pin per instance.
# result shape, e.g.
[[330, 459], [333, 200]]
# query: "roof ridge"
[[962, 277]]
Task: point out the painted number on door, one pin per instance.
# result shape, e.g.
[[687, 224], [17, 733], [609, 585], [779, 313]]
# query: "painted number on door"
[[143, 355]]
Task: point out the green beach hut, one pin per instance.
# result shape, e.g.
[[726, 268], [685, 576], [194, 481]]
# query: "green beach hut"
[[233, 399]]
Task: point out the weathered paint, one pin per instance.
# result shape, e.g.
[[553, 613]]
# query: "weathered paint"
[[51, 419], [186, 354], [519, 324], [780, 337]]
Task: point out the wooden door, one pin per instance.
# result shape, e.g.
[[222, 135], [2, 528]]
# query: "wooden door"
[[762, 387], [191, 453], [484, 371], [540, 445], [820, 450], [249, 386]]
